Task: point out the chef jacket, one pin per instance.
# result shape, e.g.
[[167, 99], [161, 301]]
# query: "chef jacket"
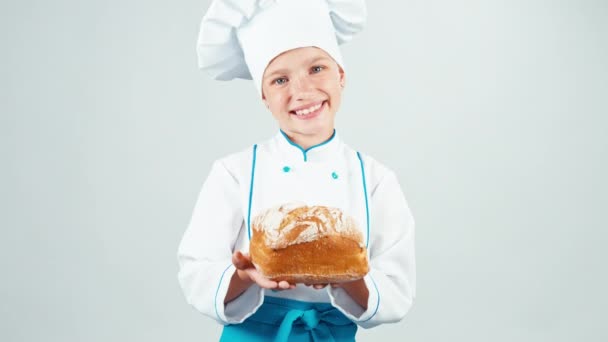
[[279, 171]]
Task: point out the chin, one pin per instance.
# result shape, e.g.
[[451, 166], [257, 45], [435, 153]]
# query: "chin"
[[312, 127]]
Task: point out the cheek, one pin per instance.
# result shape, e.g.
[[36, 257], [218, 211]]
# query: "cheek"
[[271, 98], [331, 83], [276, 104], [278, 101]]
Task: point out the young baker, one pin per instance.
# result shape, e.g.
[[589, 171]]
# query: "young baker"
[[290, 50]]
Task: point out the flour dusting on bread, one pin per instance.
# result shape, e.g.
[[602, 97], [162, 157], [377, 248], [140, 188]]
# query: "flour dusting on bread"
[[295, 223]]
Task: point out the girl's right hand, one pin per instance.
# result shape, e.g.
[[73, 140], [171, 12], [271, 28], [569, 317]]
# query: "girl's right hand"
[[247, 272]]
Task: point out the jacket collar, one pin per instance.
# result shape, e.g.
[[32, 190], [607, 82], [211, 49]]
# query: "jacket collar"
[[289, 150]]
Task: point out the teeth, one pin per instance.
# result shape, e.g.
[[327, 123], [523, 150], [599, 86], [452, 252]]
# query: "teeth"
[[309, 110]]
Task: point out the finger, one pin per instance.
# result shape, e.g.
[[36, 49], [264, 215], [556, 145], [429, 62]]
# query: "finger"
[[261, 281], [320, 286], [241, 261], [237, 260], [284, 285], [266, 284]]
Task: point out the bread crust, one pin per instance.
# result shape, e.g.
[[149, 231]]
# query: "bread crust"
[[312, 245]]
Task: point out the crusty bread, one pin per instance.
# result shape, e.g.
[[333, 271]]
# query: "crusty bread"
[[313, 245]]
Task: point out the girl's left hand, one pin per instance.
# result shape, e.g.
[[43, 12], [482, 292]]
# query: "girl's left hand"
[[356, 289], [322, 286]]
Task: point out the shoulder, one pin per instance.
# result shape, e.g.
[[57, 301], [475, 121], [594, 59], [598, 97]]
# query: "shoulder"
[[238, 164], [375, 171]]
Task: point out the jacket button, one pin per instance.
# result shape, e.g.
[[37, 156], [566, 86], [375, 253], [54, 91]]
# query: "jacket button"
[[334, 175], [286, 169]]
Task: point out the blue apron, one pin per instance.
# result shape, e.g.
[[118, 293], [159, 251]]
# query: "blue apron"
[[291, 320]]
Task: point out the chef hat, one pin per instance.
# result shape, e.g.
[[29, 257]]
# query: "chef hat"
[[238, 38]]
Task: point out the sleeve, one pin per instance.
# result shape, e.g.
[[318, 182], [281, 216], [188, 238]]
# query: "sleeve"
[[205, 251], [392, 278]]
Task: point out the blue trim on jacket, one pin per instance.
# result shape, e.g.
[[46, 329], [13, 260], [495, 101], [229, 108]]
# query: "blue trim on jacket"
[[365, 193], [378, 303], [216, 293], [255, 147], [304, 151]]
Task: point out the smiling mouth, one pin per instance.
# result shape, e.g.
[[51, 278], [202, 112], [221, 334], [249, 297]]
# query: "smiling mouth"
[[308, 111]]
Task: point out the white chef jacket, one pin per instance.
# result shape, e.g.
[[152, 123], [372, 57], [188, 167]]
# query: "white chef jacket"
[[278, 171]]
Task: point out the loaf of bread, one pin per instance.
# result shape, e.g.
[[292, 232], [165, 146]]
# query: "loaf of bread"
[[308, 244]]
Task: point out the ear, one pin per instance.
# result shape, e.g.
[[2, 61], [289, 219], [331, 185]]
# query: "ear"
[[342, 77]]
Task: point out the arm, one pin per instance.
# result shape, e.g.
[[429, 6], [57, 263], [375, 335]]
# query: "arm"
[[357, 291], [247, 275], [391, 280], [205, 252]]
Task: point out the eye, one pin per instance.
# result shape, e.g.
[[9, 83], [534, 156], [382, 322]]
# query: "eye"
[[317, 69], [280, 81]]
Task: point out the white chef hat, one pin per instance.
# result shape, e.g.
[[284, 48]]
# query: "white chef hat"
[[238, 38]]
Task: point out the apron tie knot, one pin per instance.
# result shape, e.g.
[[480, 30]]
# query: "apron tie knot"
[[310, 318], [318, 322], [313, 321]]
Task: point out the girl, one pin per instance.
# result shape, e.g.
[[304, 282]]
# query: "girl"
[[290, 50]]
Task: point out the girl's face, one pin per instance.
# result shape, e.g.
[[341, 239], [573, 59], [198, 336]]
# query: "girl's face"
[[303, 88]]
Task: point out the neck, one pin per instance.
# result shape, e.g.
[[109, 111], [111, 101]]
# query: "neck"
[[306, 141]]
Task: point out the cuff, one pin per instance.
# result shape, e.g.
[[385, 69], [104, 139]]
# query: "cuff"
[[239, 309], [343, 302]]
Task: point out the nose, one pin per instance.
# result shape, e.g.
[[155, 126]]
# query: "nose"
[[301, 88]]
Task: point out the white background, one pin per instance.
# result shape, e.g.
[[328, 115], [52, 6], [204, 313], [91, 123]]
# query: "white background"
[[492, 113]]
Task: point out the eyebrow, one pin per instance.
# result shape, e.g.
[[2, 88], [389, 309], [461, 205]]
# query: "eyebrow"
[[285, 71]]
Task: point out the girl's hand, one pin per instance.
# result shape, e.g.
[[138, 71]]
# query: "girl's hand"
[[247, 272], [356, 289], [321, 286]]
